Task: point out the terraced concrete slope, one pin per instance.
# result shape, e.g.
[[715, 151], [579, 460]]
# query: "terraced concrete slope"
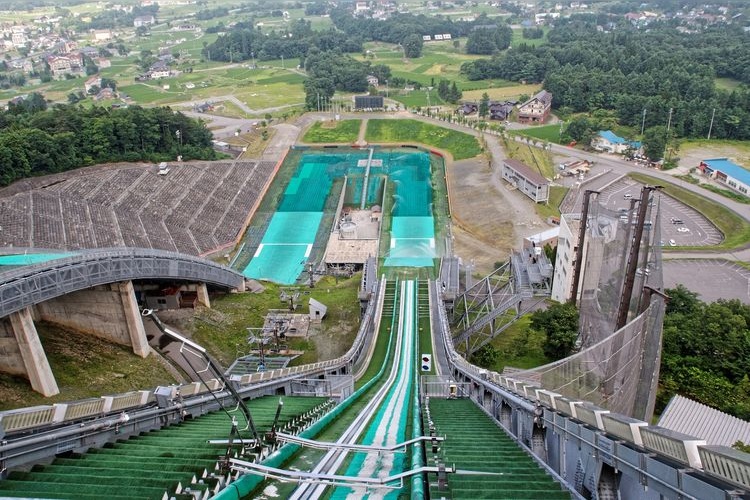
[[474, 442], [151, 464]]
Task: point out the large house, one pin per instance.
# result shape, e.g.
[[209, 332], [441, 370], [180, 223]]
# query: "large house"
[[536, 109], [609, 142], [727, 172], [144, 21], [60, 65]]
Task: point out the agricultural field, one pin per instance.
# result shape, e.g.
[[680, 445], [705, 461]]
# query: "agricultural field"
[[502, 90], [345, 131], [458, 144], [275, 84]]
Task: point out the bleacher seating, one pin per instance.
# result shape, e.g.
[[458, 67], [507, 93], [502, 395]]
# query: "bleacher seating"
[[196, 208]]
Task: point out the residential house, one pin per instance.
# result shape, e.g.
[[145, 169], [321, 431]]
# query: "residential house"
[[60, 65], [727, 172], [526, 180], [501, 110], [19, 39], [468, 108], [22, 63], [609, 142], [372, 80], [105, 93], [536, 109], [102, 62], [94, 81], [144, 21], [102, 35]]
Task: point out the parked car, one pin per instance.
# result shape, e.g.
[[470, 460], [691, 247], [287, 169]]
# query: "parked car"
[[672, 243], [683, 230]]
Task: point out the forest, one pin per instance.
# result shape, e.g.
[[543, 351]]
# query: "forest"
[[706, 352], [35, 140], [628, 70]]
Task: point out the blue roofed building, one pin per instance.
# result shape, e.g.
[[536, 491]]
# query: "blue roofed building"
[[727, 172], [609, 142]]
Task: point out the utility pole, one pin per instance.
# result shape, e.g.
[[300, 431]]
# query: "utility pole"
[[666, 142], [643, 122], [710, 127]]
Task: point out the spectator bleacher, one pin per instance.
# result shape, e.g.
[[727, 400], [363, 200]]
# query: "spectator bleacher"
[[196, 208]]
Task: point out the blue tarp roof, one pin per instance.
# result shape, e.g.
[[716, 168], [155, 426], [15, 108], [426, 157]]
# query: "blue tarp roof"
[[731, 169], [611, 137]]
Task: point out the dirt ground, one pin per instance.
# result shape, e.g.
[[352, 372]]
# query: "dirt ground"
[[692, 153], [489, 219]]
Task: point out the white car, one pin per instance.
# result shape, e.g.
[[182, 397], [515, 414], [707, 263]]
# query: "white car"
[[672, 243], [683, 230]]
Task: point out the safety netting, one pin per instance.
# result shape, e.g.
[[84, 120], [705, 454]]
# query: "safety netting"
[[617, 370]]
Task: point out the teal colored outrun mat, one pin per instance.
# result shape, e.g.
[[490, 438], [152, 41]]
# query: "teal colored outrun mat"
[[288, 241], [30, 258]]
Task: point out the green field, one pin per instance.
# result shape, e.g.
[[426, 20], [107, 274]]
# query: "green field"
[[727, 83], [549, 133], [458, 144], [345, 131]]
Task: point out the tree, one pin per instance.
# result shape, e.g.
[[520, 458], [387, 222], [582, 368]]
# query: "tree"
[[318, 91], [412, 45], [485, 356], [141, 31], [109, 83], [559, 323], [455, 94], [655, 142], [484, 105], [480, 42]]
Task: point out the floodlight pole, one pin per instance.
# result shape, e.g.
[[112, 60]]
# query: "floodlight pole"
[[632, 264], [581, 240]]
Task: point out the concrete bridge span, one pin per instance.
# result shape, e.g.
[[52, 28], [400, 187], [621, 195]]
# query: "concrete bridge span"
[[91, 291], [28, 285]]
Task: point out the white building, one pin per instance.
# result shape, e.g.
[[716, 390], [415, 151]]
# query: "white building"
[[567, 250], [526, 180]]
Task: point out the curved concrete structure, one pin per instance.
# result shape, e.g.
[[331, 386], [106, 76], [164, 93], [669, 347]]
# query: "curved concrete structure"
[[29, 285]]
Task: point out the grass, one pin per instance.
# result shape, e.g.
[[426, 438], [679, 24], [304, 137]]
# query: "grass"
[[536, 158], [552, 207], [518, 39], [223, 328], [519, 346], [74, 357], [735, 229], [727, 193], [549, 133], [458, 144], [344, 131], [727, 83]]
